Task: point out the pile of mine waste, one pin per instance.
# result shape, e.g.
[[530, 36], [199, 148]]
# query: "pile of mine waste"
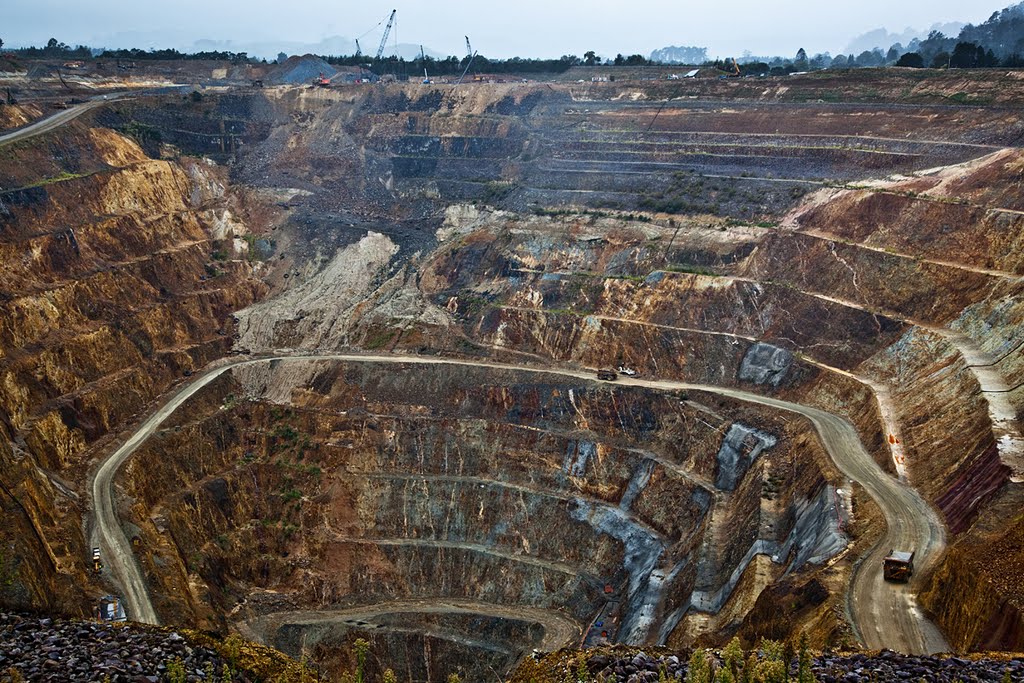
[[770, 662], [34, 648]]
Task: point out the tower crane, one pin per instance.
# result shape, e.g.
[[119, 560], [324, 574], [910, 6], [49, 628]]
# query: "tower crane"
[[387, 32]]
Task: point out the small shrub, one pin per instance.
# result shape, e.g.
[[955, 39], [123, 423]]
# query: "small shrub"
[[804, 673], [361, 647], [232, 648], [176, 671], [699, 669], [733, 656]]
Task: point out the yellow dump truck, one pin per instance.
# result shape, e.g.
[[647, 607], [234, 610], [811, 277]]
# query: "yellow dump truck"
[[898, 565]]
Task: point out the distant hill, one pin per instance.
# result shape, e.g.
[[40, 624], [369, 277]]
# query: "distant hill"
[[1003, 32], [330, 46], [680, 55], [884, 39]]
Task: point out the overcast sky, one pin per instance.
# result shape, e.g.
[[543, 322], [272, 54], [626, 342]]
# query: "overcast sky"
[[543, 28]]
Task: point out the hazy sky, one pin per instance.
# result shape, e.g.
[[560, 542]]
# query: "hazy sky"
[[522, 27]]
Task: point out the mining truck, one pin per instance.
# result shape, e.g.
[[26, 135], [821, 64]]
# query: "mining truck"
[[898, 565], [110, 608]]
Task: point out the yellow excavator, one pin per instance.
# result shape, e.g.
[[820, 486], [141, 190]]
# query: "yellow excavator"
[[734, 72]]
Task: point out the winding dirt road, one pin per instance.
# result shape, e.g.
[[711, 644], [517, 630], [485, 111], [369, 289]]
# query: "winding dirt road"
[[55, 121], [883, 614]]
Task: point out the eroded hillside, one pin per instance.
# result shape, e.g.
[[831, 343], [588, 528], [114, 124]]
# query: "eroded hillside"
[[119, 278], [857, 259]]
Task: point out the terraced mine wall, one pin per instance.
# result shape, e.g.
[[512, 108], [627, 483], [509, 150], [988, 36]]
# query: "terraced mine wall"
[[347, 488], [110, 293], [724, 242]]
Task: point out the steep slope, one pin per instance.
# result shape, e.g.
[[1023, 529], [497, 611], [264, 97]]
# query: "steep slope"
[[477, 512], [119, 275]]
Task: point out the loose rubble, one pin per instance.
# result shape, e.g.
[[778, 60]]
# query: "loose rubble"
[[640, 667], [41, 649]]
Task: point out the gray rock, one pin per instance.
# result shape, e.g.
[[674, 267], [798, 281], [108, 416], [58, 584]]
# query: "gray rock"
[[765, 364]]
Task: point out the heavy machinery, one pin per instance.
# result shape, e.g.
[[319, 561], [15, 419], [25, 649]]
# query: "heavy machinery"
[[423, 61], [97, 565], [898, 565], [735, 72], [607, 375], [110, 609], [359, 49], [471, 56], [387, 32]]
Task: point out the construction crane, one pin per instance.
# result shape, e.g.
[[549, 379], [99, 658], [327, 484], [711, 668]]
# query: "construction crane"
[[387, 32], [471, 56], [423, 61], [359, 50]]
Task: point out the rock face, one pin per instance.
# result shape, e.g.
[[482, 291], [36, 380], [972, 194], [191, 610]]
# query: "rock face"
[[739, 450], [115, 284], [765, 364], [474, 512], [374, 492]]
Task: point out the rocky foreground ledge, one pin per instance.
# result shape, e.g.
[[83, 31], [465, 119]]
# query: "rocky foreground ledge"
[[630, 665], [42, 649]]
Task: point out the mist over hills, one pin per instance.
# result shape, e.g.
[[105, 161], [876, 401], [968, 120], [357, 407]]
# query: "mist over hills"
[[883, 38]]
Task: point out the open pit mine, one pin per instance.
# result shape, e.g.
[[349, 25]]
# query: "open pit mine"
[[476, 372]]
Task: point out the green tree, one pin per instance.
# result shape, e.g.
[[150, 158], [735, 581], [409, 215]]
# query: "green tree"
[[965, 56], [912, 60], [361, 647], [389, 677], [724, 676], [749, 669], [801, 60], [454, 678], [590, 58], [804, 673], [733, 656], [772, 668], [699, 669]]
